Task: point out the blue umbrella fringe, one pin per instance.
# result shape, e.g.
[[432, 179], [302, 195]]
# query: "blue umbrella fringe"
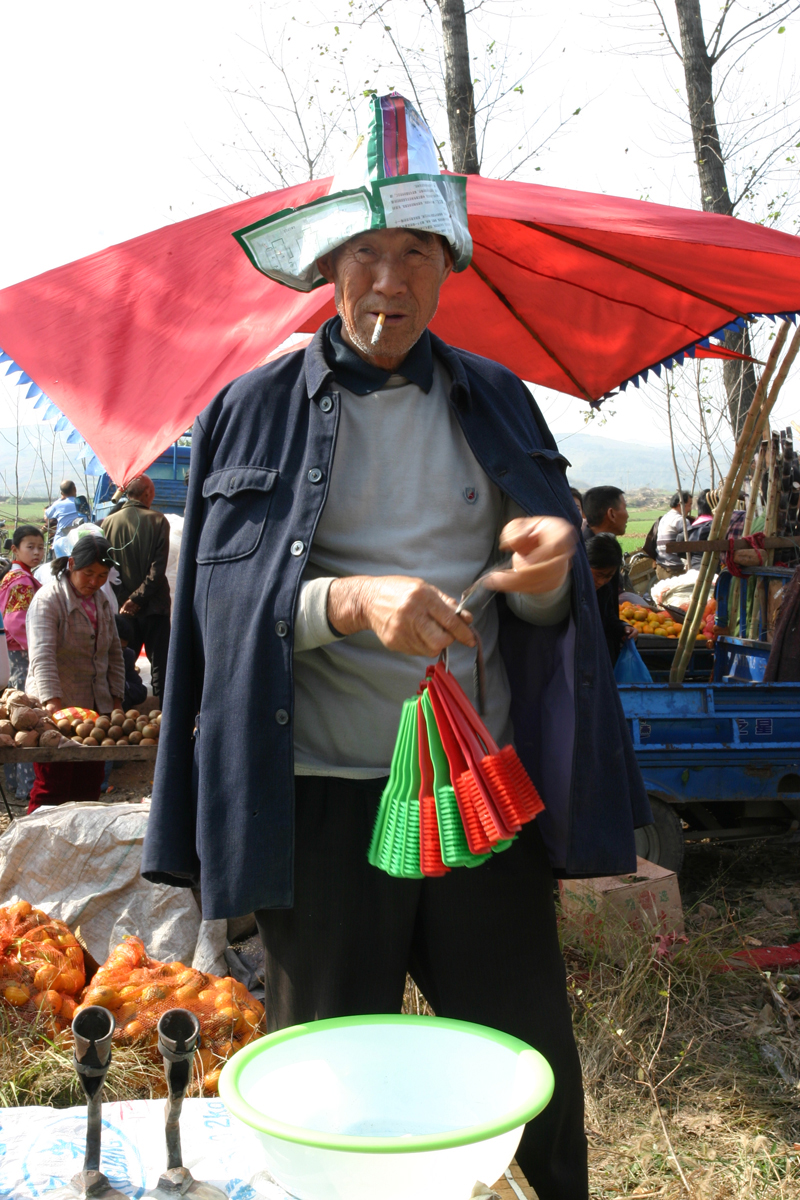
[[50, 412], [678, 356]]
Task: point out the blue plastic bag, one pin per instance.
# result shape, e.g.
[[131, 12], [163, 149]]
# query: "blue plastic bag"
[[629, 667]]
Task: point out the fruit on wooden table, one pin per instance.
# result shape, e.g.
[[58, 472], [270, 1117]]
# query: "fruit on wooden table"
[[23, 724]]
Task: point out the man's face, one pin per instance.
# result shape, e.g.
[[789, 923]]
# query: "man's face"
[[393, 271], [617, 517]]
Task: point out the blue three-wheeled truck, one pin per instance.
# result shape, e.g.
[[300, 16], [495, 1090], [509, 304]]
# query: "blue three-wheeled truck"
[[720, 755]]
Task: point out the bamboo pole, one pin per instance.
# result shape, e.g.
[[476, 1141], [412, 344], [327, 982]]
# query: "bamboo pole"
[[746, 443], [775, 475], [757, 417], [755, 489]]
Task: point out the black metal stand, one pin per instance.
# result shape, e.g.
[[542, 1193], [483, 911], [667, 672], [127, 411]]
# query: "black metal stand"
[[92, 1031], [178, 1039], [5, 797]]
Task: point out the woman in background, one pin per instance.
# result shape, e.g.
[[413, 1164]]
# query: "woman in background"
[[700, 527], [75, 659]]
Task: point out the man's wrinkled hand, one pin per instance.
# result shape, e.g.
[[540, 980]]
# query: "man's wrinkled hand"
[[542, 550], [130, 608], [408, 615]]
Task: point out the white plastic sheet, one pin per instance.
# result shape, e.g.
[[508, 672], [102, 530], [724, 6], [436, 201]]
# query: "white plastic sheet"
[[80, 863], [42, 1148]]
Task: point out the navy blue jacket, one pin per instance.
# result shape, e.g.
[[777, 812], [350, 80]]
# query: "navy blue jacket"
[[222, 814]]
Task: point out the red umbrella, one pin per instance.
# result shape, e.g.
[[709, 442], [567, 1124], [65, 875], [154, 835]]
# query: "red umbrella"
[[574, 291]]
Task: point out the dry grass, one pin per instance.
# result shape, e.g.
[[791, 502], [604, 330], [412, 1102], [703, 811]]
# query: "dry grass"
[[692, 1072], [37, 1069]]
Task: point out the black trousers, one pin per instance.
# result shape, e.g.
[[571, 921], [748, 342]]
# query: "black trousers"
[[152, 632], [481, 944]]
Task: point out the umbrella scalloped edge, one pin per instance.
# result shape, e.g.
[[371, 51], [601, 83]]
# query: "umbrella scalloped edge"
[[48, 411], [679, 356]]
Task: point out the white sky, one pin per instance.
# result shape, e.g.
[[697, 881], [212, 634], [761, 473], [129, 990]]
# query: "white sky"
[[110, 111]]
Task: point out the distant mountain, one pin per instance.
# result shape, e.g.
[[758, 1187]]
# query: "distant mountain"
[[595, 460], [628, 465]]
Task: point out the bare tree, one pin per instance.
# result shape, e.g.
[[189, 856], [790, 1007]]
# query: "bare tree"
[[737, 159], [294, 125], [459, 93]]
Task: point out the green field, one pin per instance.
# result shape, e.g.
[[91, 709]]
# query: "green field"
[[639, 522], [30, 512]]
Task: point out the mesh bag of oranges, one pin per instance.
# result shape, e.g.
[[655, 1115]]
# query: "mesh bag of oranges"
[[41, 968], [138, 989]]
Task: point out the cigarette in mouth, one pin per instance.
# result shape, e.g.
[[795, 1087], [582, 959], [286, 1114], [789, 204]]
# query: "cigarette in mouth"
[[378, 330]]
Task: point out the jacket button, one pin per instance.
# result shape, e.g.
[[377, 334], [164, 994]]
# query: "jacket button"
[[326, 404], [282, 717], [296, 548], [281, 628], [314, 475]]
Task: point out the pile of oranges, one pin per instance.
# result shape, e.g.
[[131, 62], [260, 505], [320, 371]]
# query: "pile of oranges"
[[645, 621], [137, 989], [41, 967]]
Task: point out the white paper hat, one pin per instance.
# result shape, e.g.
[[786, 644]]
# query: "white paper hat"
[[391, 181]]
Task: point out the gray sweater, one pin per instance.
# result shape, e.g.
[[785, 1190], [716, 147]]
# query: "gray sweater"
[[406, 497]]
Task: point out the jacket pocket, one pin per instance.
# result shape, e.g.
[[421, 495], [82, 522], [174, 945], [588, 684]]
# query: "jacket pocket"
[[551, 456], [553, 466], [237, 504]]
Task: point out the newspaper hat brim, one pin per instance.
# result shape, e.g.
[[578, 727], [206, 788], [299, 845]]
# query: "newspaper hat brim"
[[392, 181]]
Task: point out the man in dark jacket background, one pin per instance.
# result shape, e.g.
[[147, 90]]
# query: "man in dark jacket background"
[[140, 537]]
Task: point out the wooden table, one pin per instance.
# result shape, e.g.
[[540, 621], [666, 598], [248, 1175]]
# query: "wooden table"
[[23, 754], [522, 1189], [31, 754]]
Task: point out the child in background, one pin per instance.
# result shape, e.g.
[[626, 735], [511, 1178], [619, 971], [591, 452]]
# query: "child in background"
[[17, 589]]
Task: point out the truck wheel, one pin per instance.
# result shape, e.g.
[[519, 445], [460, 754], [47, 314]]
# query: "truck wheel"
[[662, 842]]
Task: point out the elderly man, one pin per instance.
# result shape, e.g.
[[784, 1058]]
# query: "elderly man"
[[140, 538], [341, 500]]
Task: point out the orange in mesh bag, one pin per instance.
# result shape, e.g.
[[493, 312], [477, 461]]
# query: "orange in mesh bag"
[[138, 989], [41, 968]]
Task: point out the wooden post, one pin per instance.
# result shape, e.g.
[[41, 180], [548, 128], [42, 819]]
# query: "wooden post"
[[774, 475], [751, 434]]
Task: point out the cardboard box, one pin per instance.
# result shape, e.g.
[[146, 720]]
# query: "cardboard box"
[[649, 901]]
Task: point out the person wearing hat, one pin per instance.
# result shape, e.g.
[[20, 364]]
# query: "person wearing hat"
[[341, 499]]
